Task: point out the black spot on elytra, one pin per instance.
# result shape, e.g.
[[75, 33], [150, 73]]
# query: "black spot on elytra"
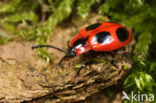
[[102, 37], [93, 26], [122, 34], [79, 41]]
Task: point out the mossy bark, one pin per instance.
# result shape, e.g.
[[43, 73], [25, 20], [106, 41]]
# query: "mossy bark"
[[23, 82]]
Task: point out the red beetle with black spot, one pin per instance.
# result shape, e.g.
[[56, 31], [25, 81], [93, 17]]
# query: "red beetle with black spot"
[[102, 36]]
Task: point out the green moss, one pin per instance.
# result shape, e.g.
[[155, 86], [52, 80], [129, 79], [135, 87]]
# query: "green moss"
[[125, 67], [77, 66]]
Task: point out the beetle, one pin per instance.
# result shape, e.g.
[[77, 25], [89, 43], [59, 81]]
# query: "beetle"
[[101, 36]]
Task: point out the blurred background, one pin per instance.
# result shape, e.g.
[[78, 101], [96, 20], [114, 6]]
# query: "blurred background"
[[36, 20]]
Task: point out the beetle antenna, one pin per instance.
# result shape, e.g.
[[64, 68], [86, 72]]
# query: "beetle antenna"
[[48, 46]]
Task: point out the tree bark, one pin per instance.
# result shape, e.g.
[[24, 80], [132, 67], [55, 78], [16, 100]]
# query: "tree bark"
[[24, 82]]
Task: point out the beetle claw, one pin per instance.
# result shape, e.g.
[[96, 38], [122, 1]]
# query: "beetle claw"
[[60, 66]]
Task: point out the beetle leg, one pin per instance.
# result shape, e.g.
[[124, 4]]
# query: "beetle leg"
[[112, 62], [83, 64], [68, 44], [60, 62]]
